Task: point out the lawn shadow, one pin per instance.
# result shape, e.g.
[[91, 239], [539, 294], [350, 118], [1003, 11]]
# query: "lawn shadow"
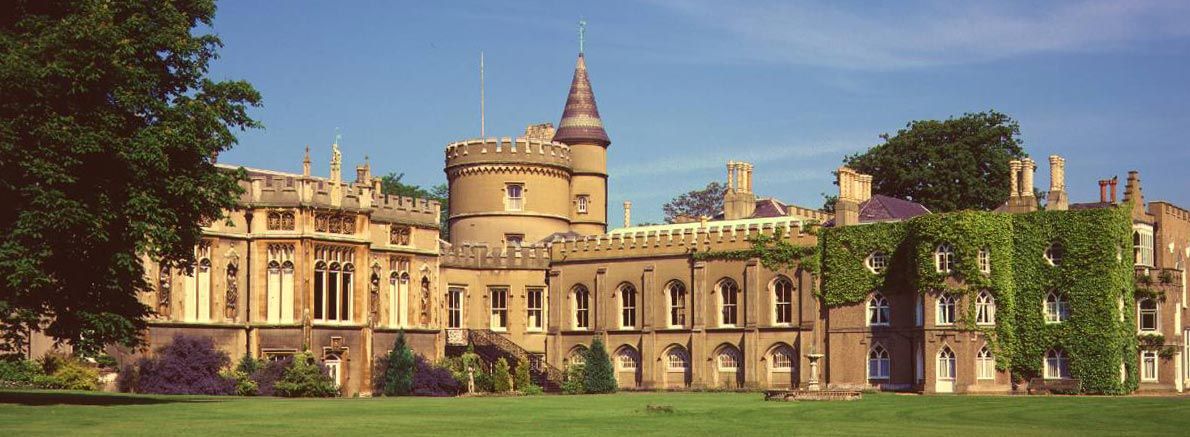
[[45, 398]]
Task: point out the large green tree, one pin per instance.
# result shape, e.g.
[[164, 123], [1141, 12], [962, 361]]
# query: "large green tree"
[[947, 165], [694, 204], [109, 128], [392, 185]]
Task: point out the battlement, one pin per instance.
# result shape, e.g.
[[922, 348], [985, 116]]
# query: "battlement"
[[481, 256], [677, 239], [276, 189], [809, 214], [507, 150], [1159, 206]]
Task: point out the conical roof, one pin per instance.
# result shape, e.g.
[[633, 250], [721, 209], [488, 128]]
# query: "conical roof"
[[580, 119]]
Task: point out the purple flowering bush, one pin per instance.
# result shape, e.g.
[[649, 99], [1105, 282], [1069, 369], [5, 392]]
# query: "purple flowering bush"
[[188, 365], [432, 380], [268, 374]]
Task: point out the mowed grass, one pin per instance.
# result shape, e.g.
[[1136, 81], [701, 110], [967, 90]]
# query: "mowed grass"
[[723, 414]]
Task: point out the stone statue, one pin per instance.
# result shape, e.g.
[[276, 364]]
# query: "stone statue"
[[163, 291], [233, 294]]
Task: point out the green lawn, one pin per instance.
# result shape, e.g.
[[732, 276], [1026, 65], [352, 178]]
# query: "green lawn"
[[733, 414]]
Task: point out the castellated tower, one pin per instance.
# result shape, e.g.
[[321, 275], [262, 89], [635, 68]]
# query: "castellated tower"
[[582, 129], [507, 191]]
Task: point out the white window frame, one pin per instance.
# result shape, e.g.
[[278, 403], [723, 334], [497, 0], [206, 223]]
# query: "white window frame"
[[782, 301], [627, 306], [581, 307], [498, 303], [947, 364], [944, 258], [454, 307], [581, 202], [1141, 313], [728, 359], [781, 359], [879, 360], [677, 304], [985, 308], [879, 313], [1142, 244], [1056, 308], [514, 202], [1056, 365], [534, 308], [677, 360], [946, 309], [728, 307], [985, 364], [984, 258], [1150, 366], [876, 262]]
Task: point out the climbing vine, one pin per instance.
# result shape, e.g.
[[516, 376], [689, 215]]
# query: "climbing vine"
[[1090, 273]]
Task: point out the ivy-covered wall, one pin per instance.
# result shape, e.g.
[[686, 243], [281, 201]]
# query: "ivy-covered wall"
[[1090, 274]]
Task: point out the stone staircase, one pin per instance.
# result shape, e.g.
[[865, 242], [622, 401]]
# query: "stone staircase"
[[491, 347]]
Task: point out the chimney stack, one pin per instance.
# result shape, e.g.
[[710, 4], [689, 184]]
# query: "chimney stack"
[[306, 163], [865, 188], [1028, 166], [1115, 180], [1057, 199], [1014, 177], [627, 213], [847, 205], [1103, 191]]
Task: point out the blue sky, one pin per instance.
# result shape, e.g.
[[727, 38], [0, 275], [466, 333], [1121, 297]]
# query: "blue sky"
[[685, 86]]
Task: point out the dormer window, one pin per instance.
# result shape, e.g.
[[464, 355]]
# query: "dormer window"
[[876, 262], [944, 258], [1053, 254], [514, 197]]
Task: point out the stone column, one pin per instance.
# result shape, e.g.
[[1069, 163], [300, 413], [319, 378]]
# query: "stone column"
[[1014, 174]]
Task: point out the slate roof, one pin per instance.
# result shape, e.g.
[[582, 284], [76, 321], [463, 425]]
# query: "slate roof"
[[881, 208], [580, 119]]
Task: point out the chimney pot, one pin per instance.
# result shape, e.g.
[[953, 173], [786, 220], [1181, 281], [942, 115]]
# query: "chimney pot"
[[1102, 190]]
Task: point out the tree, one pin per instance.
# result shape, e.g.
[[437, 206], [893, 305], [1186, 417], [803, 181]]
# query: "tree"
[[707, 201], [599, 376], [501, 377], [522, 379], [955, 164], [392, 185], [109, 129], [398, 377], [305, 378]]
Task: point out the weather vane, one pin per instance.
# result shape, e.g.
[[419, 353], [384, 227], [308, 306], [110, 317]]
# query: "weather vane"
[[582, 33]]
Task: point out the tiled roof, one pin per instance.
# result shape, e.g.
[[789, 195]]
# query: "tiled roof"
[[884, 208], [580, 119]]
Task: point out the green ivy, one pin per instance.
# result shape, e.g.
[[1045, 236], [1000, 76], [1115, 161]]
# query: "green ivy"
[[1090, 274]]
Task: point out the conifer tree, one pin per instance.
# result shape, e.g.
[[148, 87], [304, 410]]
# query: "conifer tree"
[[398, 378], [599, 376], [501, 378], [523, 380]]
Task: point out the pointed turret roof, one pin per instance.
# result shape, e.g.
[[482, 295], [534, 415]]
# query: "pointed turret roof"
[[580, 119]]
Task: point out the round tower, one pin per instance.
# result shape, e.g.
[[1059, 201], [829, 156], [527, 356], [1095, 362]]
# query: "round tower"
[[502, 190], [582, 129]]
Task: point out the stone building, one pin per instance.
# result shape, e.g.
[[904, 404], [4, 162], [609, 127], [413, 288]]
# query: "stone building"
[[532, 273]]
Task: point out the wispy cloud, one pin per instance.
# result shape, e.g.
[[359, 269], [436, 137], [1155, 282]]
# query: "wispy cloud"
[[871, 36], [701, 162]]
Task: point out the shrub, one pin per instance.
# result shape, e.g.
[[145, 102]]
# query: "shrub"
[[573, 385], [268, 374], [244, 384], [17, 373], [501, 378], [126, 378], [306, 378], [599, 376], [379, 373], [248, 365], [431, 380], [188, 365], [66, 373], [523, 380], [532, 390], [398, 379], [107, 361]]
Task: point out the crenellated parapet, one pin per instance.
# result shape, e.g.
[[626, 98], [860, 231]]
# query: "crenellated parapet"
[[667, 240], [482, 256], [268, 189], [809, 214], [505, 154]]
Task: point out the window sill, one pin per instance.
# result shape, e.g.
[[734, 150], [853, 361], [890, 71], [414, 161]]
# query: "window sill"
[[878, 325], [985, 323]]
